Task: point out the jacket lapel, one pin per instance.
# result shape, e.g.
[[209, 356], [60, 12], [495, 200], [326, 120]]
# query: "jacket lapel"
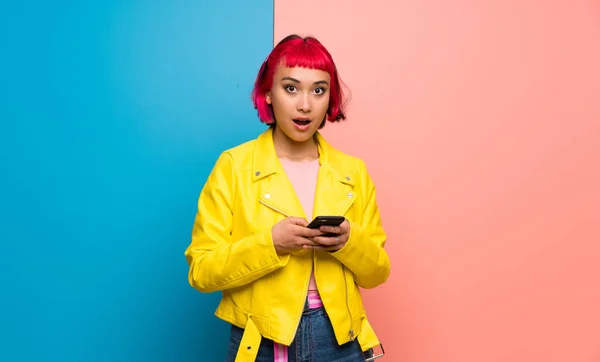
[[278, 194], [335, 188], [275, 189]]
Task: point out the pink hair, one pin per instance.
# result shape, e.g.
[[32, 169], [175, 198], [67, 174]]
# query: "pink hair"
[[295, 51]]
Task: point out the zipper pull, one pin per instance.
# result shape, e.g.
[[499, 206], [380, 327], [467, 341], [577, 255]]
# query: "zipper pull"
[[351, 334]]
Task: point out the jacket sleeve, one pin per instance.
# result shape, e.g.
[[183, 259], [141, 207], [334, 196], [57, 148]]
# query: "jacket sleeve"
[[216, 261], [364, 253]]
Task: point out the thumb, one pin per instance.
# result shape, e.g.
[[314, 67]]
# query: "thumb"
[[298, 221]]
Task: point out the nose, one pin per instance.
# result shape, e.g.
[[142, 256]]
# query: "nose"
[[304, 105]]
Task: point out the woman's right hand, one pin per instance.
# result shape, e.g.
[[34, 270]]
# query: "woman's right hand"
[[291, 234]]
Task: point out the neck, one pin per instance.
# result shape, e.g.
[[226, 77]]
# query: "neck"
[[295, 151]]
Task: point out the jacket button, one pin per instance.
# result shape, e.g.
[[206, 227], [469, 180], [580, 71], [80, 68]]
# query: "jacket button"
[[267, 196], [350, 194], [348, 178], [257, 173]]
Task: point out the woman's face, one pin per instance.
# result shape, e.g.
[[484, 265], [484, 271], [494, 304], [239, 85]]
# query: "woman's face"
[[300, 99]]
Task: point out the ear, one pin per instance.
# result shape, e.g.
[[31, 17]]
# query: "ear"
[[268, 97]]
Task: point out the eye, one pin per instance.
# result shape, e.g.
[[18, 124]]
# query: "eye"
[[290, 88], [319, 90]]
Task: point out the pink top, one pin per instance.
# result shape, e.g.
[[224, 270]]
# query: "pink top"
[[303, 176]]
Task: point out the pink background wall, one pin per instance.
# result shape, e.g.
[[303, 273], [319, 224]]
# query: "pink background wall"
[[480, 121]]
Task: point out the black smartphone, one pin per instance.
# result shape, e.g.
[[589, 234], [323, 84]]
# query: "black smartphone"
[[326, 221]]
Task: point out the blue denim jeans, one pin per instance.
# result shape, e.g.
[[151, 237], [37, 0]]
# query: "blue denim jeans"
[[314, 342]]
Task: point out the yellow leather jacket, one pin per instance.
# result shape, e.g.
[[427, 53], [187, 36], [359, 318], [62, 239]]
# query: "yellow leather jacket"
[[232, 249]]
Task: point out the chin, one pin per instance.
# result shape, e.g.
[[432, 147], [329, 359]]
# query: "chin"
[[301, 137]]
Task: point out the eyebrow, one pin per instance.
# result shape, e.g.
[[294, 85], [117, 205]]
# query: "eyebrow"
[[297, 81]]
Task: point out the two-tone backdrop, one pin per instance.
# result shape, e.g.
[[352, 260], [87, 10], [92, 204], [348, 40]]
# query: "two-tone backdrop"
[[479, 122]]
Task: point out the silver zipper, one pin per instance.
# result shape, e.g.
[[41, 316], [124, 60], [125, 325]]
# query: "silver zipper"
[[307, 280], [303, 301], [351, 330]]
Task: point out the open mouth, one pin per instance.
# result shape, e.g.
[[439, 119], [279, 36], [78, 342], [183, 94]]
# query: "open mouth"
[[301, 122]]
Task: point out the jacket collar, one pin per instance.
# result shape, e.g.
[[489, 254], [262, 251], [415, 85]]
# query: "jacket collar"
[[265, 160]]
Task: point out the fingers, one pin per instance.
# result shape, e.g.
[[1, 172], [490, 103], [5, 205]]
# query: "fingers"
[[333, 236], [342, 229], [306, 243], [329, 244], [330, 240], [308, 233], [300, 228]]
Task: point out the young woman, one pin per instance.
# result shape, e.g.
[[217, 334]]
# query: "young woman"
[[291, 293]]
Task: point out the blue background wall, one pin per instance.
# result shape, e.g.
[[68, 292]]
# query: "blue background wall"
[[112, 115]]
